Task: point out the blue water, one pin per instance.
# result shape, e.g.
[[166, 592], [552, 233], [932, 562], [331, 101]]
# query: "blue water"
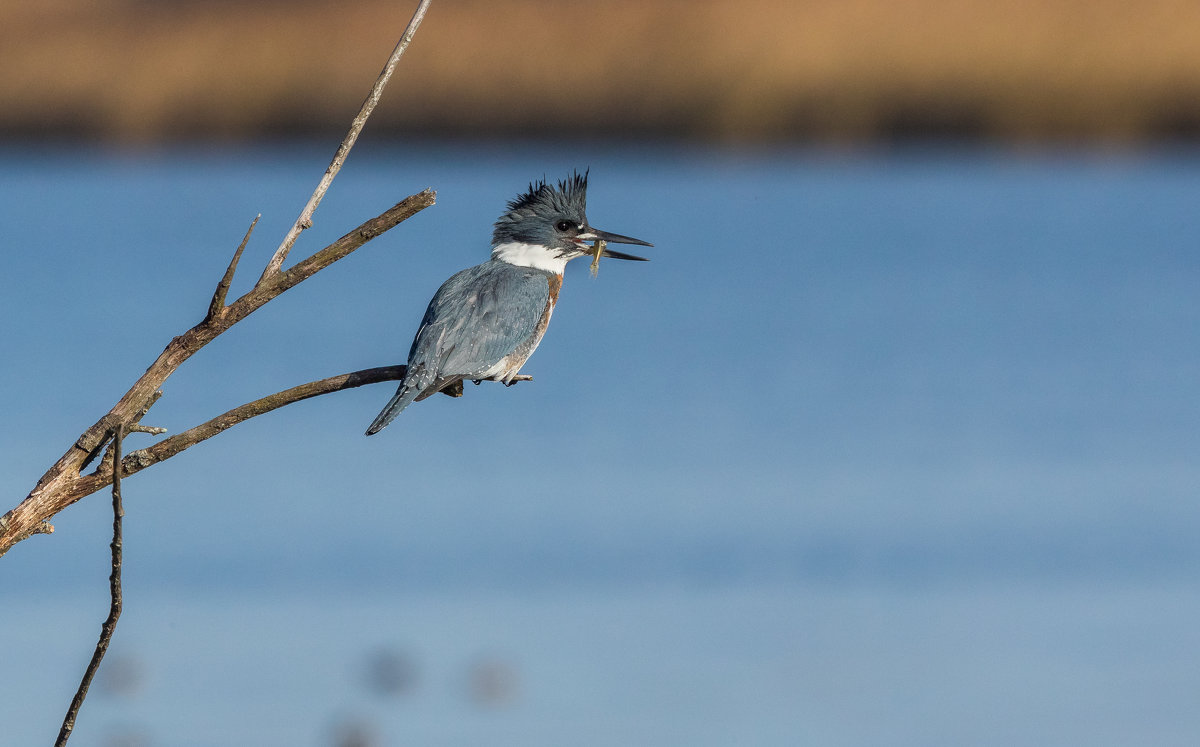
[[880, 448]]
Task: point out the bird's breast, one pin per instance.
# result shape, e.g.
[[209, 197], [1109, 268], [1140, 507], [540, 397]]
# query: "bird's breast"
[[508, 366]]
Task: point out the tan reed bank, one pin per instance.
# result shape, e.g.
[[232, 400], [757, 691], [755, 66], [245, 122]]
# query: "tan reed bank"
[[747, 71]]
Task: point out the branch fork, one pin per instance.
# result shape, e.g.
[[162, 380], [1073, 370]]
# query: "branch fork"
[[64, 483]]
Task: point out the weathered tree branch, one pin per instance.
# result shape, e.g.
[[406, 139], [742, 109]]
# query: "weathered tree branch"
[[63, 483], [139, 460], [305, 218]]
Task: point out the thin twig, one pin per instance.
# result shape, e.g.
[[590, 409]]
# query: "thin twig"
[[153, 430], [114, 586], [218, 299], [360, 120]]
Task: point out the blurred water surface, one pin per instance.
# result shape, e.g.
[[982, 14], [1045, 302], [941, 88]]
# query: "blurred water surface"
[[881, 448]]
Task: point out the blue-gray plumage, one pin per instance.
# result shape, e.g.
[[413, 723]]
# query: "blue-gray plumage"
[[485, 322]]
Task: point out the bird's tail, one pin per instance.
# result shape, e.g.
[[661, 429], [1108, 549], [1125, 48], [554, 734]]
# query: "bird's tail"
[[403, 397]]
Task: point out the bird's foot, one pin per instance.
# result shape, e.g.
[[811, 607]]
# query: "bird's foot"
[[514, 380]]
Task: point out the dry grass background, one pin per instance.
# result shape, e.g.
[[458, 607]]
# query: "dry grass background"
[[147, 70]]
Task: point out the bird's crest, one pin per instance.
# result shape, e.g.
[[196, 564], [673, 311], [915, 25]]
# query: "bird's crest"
[[569, 196]]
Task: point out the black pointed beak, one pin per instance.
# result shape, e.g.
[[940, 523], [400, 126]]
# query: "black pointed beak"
[[623, 255], [595, 234]]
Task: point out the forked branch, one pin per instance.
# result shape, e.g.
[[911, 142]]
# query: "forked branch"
[[305, 218], [63, 483]]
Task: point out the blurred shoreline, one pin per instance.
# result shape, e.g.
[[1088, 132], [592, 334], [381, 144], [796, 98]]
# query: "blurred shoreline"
[[760, 71]]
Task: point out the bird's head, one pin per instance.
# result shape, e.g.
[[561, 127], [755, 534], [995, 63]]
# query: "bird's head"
[[555, 220]]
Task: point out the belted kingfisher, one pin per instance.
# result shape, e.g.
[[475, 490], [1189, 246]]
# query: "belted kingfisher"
[[485, 322]]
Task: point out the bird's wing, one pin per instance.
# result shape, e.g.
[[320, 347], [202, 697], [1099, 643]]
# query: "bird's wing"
[[477, 318]]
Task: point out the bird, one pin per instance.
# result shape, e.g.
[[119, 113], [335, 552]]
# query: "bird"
[[485, 321]]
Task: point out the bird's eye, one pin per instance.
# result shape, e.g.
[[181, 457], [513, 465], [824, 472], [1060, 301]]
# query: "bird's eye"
[[564, 225]]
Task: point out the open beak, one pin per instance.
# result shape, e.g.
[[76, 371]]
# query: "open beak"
[[595, 234]]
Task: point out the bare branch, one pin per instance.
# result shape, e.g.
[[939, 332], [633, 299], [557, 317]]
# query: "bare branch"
[[63, 484], [218, 300], [57, 488], [115, 598], [152, 430], [169, 447], [306, 268], [360, 120]]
